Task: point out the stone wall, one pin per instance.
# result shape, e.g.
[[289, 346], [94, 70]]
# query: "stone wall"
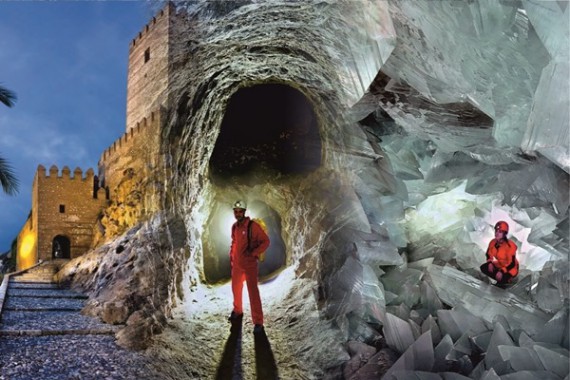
[[149, 58], [64, 205], [27, 246], [130, 170]]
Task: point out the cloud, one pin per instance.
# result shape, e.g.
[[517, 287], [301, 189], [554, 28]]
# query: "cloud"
[[35, 139]]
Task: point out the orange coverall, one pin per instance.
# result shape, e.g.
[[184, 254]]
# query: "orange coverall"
[[244, 266], [503, 256]]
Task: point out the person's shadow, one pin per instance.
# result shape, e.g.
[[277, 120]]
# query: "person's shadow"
[[230, 366], [265, 366]]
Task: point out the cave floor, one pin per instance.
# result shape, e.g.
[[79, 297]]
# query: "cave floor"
[[200, 343]]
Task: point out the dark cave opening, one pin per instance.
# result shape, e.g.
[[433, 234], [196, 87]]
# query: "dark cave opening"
[[272, 127]]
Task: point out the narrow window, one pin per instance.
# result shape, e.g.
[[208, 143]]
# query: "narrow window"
[[146, 55], [62, 209]]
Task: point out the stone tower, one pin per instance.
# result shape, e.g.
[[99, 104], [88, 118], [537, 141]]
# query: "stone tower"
[[150, 56], [64, 211]]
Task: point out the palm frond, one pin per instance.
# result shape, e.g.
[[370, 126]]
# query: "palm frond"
[[8, 179], [7, 97]]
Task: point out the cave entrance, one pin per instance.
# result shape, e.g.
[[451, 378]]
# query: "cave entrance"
[[271, 127], [60, 248], [216, 241]]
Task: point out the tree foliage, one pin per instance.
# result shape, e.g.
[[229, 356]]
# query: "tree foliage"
[[8, 180]]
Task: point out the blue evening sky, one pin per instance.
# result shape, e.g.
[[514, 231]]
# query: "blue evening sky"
[[67, 63]]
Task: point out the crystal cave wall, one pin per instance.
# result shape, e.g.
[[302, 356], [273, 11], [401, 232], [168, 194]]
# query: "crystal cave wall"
[[436, 120], [433, 120]]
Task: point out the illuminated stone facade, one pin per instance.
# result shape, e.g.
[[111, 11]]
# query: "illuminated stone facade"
[[71, 214], [64, 211]]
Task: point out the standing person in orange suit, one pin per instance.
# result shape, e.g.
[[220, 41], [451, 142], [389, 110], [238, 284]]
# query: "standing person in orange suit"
[[248, 242], [502, 264]]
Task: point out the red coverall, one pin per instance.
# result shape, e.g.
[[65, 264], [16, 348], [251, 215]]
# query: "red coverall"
[[502, 254], [244, 266]]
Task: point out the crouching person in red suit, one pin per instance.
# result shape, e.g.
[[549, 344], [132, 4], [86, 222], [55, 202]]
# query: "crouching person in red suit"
[[502, 264]]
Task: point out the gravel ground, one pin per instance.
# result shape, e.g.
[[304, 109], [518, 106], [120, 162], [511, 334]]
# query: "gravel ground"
[[70, 357], [25, 303], [49, 320]]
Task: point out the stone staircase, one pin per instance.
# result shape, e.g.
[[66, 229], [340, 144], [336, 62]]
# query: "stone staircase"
[[35, 305], [43, 334]]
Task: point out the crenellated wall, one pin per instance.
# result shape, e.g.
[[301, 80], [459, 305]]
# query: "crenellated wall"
[[137, 149], [73, 204], [65, 205]]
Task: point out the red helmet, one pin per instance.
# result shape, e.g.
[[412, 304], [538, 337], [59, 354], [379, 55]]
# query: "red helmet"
[[502, 226]]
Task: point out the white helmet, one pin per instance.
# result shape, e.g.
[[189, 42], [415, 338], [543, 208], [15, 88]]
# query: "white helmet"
[[240, 204]]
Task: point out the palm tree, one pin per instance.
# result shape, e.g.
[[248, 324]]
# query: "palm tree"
[[8, 180], [7, 97]]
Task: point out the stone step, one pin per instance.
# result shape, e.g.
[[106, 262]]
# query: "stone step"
[[50, 321], [45, 293], [34, 303], [102, 331], [32, 285], [33, 279]]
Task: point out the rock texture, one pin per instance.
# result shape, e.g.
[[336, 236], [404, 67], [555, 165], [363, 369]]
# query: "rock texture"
[[421, 130], [131, 280]]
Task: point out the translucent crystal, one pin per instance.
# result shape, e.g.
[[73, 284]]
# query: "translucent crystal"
[[547, 130], [442, 352], [482, 341], [453, 376], [490, 375], [493, 358], [485, 301], [416, 329], [431, 325], [550, 21], [419, 357], [395, 279], [413, 375], [398, 333], [531, 375], [548, 297], [555, 331], [456, 322], [521, 358], [430, 300], [356, 289], [371, 43], [376, 253], [553, 361]]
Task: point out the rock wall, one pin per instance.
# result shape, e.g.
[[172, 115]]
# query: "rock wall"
[[135, 279]]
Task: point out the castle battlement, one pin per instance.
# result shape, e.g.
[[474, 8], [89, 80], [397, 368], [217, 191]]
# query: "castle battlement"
[[54, 173], [168, 9], [128, 138]]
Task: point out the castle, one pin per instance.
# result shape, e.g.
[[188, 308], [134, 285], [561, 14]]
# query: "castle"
[[66, 209]]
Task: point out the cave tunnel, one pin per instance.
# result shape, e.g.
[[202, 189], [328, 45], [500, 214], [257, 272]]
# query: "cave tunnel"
[[271, 127], [216, 242]]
